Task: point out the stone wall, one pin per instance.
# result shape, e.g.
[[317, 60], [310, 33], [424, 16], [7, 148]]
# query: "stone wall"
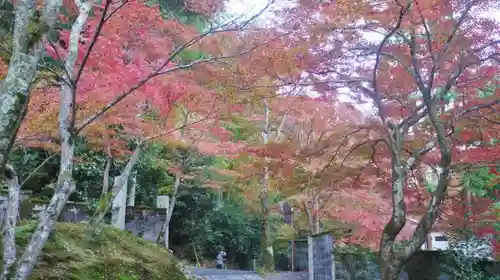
[[145, 223], [72, 212], [140, 221]]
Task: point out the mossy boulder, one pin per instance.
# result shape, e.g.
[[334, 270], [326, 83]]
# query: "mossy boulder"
[[71, 254]]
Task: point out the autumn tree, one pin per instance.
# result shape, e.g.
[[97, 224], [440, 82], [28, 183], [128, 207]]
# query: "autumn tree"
[[430, 74], [253, 83], [80, 51], [312, 142]]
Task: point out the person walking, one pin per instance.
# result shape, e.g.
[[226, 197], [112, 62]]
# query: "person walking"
[[219, 260]]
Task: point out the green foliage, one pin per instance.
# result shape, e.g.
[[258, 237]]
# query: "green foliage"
[[6, 23], [176, 9], [36, 29], [116, 254], [153, 177], [242, 129], [357, 261], [200, 221], [481, 183], [26, 161], [463, 267], [188, 56], [450, 96]]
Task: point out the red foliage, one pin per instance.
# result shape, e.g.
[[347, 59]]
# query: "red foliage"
[[340, 61], [133, 43]]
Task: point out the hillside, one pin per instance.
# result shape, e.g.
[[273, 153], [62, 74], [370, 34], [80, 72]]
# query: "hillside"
[[115, 254]]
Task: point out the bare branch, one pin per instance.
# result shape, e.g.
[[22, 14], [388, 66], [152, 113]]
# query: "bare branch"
[[45, 161]]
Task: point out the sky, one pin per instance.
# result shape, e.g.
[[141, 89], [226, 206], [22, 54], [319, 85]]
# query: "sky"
[[251, 7], [242, 6]]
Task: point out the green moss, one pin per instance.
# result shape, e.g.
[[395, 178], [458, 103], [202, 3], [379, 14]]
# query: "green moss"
[[115, 254], [38, 200]]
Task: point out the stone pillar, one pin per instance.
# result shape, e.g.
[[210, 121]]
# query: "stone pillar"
[[163, 202], [119, 208], [131, 195], [321, 260]]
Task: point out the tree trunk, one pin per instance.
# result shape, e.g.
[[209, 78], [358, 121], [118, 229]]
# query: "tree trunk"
[[316, 226], [267, 255], [65, 183], [118, 184], [105, 177], [389, 271], [26, 53], [312, 216], [391, 261], [131, 195], [11, 215], [65, 187], [310, 219], [164, 230]]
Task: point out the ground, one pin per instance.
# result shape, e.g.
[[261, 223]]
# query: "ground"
[[72, 254], [222, 274]]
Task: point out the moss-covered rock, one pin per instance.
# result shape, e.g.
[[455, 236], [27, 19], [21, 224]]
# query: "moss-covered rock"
[[71, 254]]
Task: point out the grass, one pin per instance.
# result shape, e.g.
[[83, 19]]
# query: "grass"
[[71, 254]]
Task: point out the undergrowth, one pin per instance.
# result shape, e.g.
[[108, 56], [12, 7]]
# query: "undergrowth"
[[113, 255]]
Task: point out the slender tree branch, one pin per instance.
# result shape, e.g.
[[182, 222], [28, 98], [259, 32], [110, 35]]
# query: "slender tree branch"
[[45, 161]]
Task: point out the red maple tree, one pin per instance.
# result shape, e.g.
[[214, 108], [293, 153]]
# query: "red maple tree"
[[124, 58], [430, 72]]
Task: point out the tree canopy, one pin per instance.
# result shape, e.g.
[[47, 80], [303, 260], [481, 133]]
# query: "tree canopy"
[[379, 116]]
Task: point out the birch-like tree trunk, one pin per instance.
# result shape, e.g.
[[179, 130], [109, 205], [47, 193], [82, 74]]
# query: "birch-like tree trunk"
[[14, 97], [10, 220], [164, 230], [267, 256], [65, 183], [118, 184], [26, 52]]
